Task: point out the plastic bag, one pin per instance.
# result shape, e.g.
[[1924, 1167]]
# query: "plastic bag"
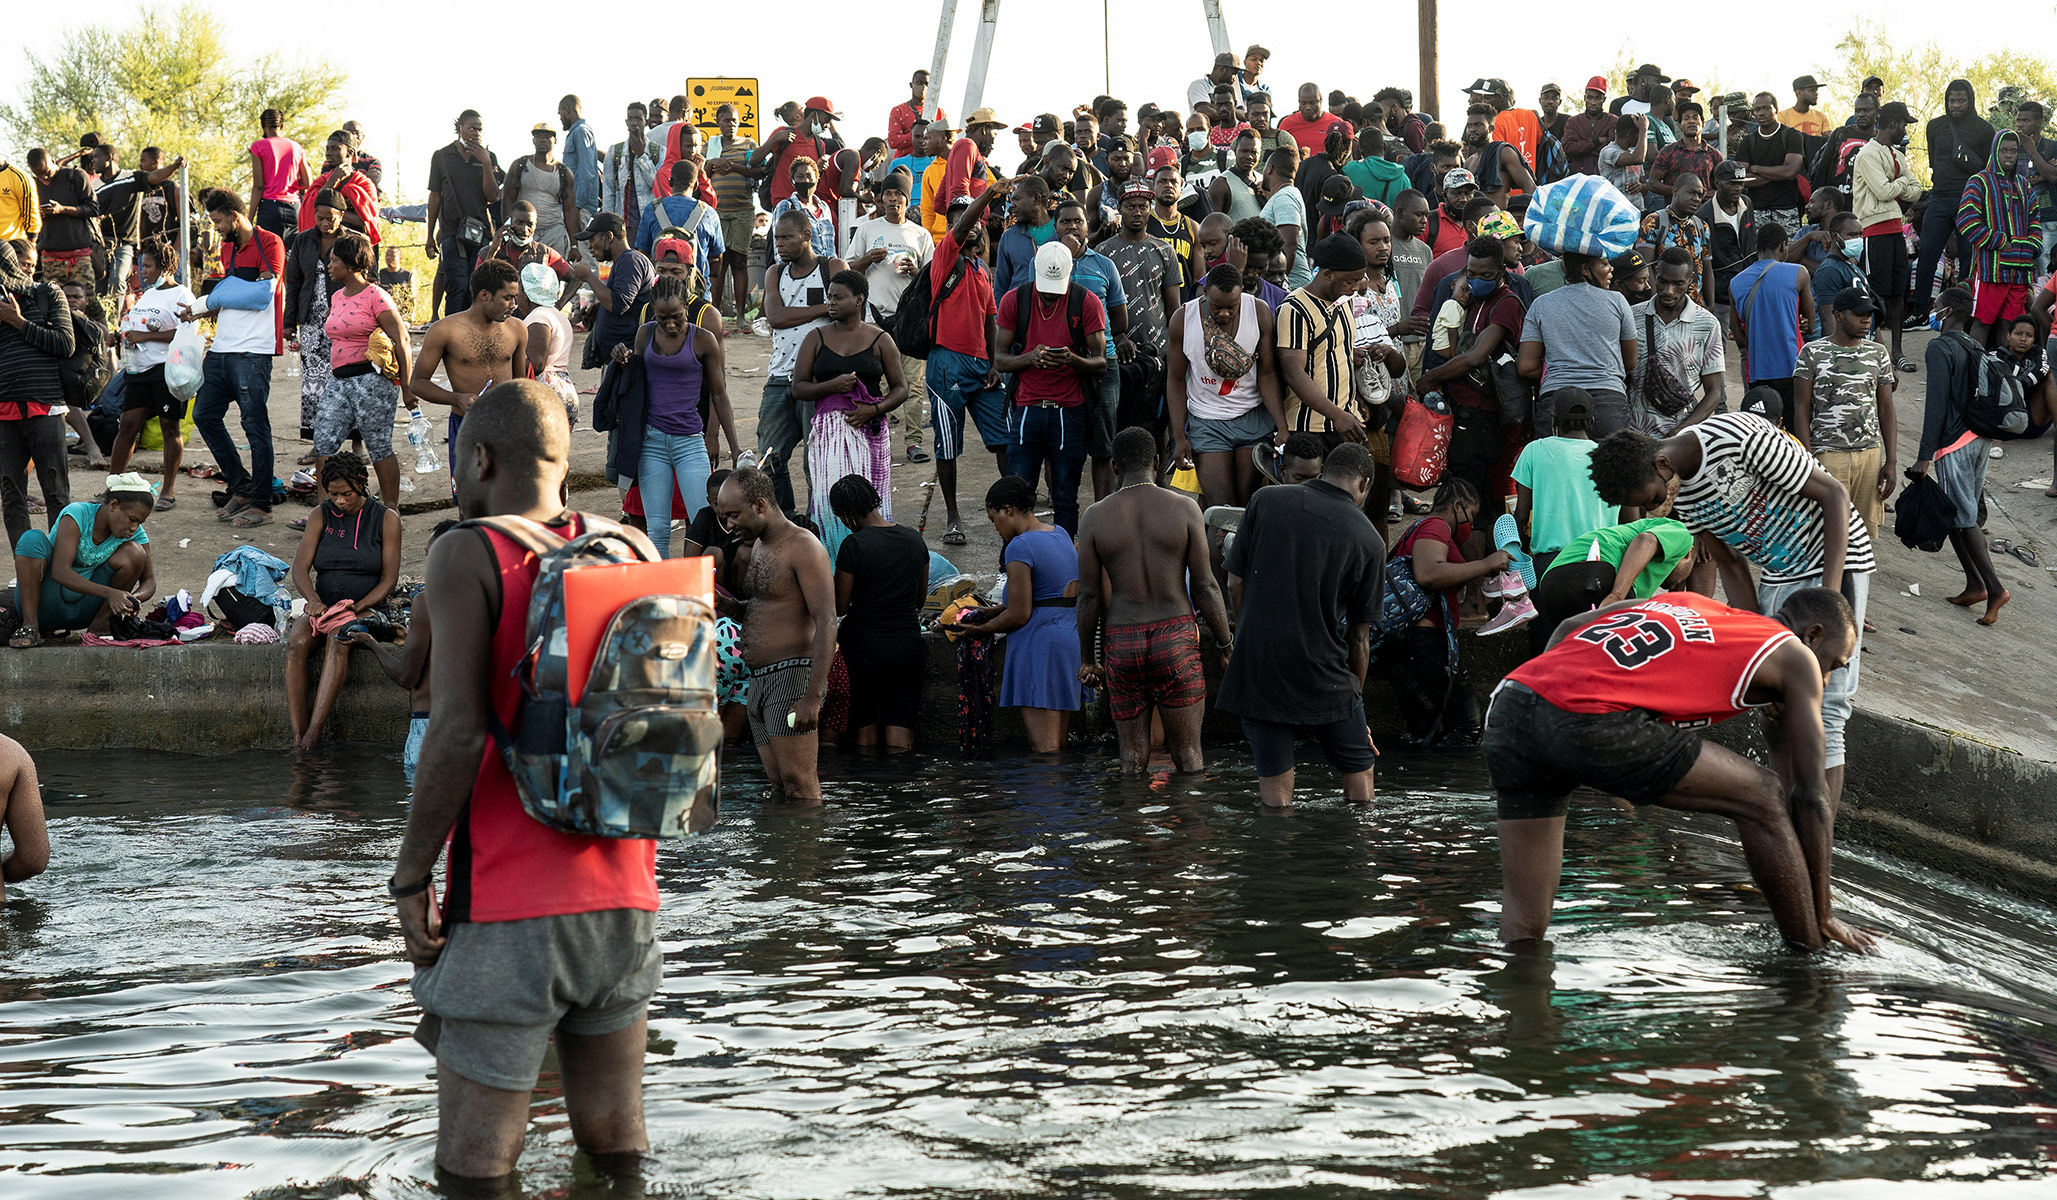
[[1422, 448], [1582, 214], [152, 435], [182, 363]]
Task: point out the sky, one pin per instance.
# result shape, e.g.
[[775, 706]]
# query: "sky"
[[1047, 57]]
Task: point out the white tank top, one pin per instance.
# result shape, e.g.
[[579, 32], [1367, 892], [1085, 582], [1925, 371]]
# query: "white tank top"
[[1209, 396]]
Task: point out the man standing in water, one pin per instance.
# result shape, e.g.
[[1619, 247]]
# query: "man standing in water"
[[539, 934], [789, 631], [21, 810], [1153, 549], [1613, 704], [477, 347]]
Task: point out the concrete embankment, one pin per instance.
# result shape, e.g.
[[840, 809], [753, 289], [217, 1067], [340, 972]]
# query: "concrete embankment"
[[1941, 798]]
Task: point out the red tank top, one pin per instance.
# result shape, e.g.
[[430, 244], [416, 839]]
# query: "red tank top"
[[1679, 655], [781, 182], [504, 864]]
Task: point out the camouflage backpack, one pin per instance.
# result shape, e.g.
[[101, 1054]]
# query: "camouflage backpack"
[[636, 756]]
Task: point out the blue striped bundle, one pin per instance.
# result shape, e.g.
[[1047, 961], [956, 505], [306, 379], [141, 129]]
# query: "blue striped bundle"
[[1582, 214]]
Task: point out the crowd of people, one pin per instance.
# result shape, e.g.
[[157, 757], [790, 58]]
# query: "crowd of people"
[[1248, 298]]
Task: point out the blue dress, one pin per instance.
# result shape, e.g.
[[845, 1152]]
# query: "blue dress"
[[1042, 662]]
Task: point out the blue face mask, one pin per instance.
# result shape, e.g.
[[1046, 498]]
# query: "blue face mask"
[[1853, 247], [1935, 321], [1482, 287]]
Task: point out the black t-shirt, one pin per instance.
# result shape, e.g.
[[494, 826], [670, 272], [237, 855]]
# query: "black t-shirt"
[[120, 202], [392, 279], [456, 179], [1760, 151], [889, 565], [69, 188], [1311, 564], [706, 532]]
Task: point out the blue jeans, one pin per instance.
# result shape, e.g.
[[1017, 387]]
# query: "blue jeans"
[[277, 216], [1057, 436], [118, 268], [455, 258], [1839, 694], [669, 457], [782, 425], [245, 381]]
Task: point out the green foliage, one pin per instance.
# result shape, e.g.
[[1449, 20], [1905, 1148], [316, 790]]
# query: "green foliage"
[[1918, 75], [171, 81]]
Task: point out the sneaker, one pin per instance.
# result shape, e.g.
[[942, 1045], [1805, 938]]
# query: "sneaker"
[[1518, 611], [1503, 585]]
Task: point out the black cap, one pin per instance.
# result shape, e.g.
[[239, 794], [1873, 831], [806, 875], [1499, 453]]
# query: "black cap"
[[1854, 300], [1804, 82], [1629, 263], [1574, 400], [1336, 192], [1650, 71], [1479, 87], [1893, 110], [1729, 168], [605, 222], [1048, 123]]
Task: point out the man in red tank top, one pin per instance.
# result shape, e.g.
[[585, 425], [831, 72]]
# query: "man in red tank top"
[[1612, 705], [539, 934]]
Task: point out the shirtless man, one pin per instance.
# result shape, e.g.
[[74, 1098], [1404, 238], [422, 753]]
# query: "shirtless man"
[[1149, 544], [21, 807], [789, 631], [477, 348], [1616, 703]]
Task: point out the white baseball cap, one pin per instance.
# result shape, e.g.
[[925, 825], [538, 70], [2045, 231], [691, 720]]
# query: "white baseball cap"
[[1053, 268]]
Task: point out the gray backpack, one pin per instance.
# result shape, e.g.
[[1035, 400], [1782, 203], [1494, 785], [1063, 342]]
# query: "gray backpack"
[[637, 755]]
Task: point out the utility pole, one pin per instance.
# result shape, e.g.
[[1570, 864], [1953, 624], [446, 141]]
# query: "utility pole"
[[1425, 18]]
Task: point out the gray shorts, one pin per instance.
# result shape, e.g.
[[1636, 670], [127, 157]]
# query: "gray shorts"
[[501, 988], [1231, 435], [365, 403], [774, 690]]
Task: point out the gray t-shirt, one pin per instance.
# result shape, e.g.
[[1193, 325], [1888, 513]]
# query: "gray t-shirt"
[[1581, 329]]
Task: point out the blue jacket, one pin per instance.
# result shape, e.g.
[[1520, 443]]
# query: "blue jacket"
[[582, 155]]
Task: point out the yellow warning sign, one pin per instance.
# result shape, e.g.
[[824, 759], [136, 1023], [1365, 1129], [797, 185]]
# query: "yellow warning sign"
[[707, 95]]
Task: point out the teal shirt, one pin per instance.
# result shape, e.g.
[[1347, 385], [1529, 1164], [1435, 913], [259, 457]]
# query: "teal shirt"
[[91, 553], [1377, 179], [1563, 502], [1674, 542]]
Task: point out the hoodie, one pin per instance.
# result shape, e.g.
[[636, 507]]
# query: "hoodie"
[[1993, 219], [1945, 136]]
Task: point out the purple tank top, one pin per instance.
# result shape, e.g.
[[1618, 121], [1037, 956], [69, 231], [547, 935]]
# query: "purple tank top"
[[674, 383]]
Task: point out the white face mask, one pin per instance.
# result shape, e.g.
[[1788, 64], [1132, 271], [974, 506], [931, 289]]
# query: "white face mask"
[[817, 128], [1197, 140], [518, 239]]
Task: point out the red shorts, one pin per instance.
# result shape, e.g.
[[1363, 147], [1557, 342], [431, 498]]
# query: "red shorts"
[[1156, 664], [1993, 303], [632, 503]]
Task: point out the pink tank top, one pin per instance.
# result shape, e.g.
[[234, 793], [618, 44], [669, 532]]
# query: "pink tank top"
[[1208, 395]]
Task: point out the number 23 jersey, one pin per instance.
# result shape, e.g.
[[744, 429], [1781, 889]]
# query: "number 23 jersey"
[[1681, 656]]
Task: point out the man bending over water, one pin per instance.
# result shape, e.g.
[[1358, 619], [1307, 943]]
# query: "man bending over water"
[[21, 809], [1150, 543], [1613, 703]]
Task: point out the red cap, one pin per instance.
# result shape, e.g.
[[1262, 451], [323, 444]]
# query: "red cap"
[[822, 103], [1597, 83], [1684, 87], [1162, 157], [683, 249]]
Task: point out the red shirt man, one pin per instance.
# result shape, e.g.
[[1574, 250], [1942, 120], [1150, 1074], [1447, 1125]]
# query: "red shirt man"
[[900, 124]]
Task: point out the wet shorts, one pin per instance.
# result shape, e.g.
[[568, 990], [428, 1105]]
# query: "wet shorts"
[[1537, 753], [886, 691], [1345, 742], [417, 732], [1153, 665], [501, 988], [774, 690]]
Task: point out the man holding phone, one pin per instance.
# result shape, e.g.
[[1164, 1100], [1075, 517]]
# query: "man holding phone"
[[1052, 338], [464, 191]]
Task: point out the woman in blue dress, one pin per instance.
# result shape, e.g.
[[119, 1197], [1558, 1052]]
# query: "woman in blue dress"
[[1040, 675]]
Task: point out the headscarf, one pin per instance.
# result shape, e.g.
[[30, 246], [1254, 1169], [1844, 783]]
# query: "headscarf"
[[13, 276]]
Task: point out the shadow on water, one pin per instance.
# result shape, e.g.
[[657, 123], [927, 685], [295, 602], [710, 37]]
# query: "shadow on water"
[[1032, 978]]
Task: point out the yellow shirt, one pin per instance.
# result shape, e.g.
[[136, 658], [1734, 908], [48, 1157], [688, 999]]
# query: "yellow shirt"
[[20, 218], [937, 223], [1813, 122]]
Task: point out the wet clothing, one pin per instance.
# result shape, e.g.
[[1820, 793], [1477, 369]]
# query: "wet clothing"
[[1537, 753], [1153, 665], [349, 560], [1042, 661]]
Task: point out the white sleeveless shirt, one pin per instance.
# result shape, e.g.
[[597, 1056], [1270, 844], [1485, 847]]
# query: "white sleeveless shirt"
[[1208, 395]]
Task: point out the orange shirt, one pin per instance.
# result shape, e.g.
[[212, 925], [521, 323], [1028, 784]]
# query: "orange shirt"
[[1519, 128]]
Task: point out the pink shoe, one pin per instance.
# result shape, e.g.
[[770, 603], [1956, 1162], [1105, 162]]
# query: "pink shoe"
[[1518, 611]]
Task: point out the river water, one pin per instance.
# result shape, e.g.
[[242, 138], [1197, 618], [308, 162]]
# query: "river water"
[[1030, 980]]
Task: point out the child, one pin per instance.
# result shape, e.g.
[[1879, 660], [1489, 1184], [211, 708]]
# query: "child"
[[1621, 160]]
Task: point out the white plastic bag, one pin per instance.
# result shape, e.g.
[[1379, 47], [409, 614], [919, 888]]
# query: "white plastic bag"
[[182, 363]]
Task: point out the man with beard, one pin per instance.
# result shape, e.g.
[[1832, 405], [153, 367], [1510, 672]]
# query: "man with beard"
[[1395, 106], [1733, 224], [1496, 166], [1680, 365], [1549, 111], [789, 632], [1104, 205]]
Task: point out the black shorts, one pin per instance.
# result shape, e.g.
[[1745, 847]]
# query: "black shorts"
[[1474, 449], [1885, 265], [886, 691], [1345, 742], [1568, 590], [146, 390], [1537, 753]]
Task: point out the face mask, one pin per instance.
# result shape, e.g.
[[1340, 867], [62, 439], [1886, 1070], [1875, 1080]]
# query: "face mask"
[[1482, 287], [1197, 140], [515, 239], [815, 128], [1853, 247], [1462, 533], [1935, 321]]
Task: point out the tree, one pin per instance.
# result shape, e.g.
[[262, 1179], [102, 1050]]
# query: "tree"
[[1918, 75], [170, 82]]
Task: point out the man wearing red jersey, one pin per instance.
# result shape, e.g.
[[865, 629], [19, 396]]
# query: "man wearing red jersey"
[[539, 934], [1613, 705]]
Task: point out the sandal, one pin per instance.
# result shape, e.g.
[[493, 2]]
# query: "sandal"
[[1904, 364], [297, 523], [251, 518], [25, 639], [166, 503], [954, 536], [305, 460]]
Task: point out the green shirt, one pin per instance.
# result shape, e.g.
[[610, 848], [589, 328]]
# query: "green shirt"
[[1563, 503], [1674, 542]]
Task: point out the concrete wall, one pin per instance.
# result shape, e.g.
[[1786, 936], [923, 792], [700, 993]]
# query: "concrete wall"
[[1963, 806]]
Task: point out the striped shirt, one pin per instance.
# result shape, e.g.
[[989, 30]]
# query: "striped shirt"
[[1747, 493], [1325, 331], [731, 191]]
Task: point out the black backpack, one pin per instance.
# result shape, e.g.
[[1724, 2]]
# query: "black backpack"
[[914, 322], [1074, 323], [1997, 407]]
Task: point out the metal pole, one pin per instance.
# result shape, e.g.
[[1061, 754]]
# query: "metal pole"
[[944, 25], [1217, 28], [1106, 55], [1425, 18], [185, 227], [981, 52]]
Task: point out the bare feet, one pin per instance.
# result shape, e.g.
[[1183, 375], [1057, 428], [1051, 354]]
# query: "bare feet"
[[1967, 598], [1993, 606], [2051, 491]]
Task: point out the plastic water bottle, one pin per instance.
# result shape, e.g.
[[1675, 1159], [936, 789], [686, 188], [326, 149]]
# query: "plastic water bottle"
[[418, 437], [406, 483]]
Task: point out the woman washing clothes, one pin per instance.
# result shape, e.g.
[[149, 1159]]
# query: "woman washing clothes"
[[850, 372], [347, 564], [91, 567], [1040, 676]]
